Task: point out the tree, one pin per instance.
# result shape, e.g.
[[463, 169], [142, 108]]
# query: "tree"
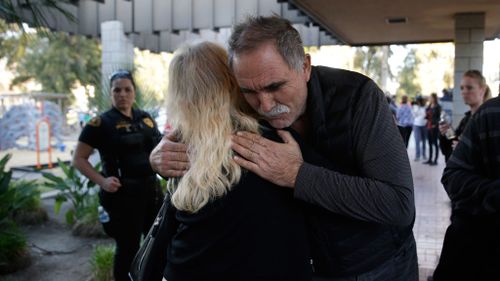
[[59, 61], [373, 62], [408, 84], [34, 11]]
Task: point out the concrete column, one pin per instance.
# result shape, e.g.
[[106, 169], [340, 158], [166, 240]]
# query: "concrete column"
[[469, 38], [117, 53]]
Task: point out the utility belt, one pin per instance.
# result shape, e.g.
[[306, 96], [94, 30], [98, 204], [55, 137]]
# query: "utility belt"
[[138, 182], [142, 185]]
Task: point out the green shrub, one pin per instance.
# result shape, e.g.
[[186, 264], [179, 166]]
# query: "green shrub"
[[101, 262], [14, 254], [74, 188], [88, 225], [13, 251], [27, 194], [7, 204], [28, 209]]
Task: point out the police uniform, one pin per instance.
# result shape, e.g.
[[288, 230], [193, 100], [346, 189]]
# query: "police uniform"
[[124, 145]]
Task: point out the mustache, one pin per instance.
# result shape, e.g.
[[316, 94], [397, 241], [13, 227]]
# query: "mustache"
[[275, 111]]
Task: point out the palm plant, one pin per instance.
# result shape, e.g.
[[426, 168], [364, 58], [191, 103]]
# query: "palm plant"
[[13, 251], [74, 188], [28, 209], [20, 11], [6, 195], [82, 194]]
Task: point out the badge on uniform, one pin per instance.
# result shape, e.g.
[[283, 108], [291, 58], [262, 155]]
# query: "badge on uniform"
[[95, 122], [123, 124], [148, 122]]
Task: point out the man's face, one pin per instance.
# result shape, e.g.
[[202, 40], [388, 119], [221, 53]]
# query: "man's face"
[[275, 91]]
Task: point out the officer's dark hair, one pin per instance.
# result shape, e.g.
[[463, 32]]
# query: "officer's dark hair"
[[121, 74], [255, 31]]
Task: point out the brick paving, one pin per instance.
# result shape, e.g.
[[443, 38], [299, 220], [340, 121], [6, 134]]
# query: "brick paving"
[[433, 212]]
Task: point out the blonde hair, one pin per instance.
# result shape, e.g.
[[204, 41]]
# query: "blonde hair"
[[205, 107], [476, 74]]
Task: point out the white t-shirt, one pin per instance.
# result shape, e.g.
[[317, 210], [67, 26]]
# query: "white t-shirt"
[[419, 114]]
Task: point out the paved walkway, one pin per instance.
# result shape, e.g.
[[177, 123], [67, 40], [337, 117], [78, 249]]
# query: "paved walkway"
[[433, 212]]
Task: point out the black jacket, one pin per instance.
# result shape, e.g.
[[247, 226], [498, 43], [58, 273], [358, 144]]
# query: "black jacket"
[[445, 144], [471, 248], [124, 143], [359, 183], [433, 116], [255, 232]]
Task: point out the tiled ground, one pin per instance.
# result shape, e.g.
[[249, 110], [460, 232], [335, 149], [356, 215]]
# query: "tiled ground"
[[433, 212]]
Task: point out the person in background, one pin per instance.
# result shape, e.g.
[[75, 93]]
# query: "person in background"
[[130, 192], [392, 106], [474, 91], [359, 190], [419, 129], [81, 119], [433, 114], [471, 248], [231, 224], [405, 119]]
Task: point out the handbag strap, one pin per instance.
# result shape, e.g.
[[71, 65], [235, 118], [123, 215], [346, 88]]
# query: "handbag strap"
[[151, 259]]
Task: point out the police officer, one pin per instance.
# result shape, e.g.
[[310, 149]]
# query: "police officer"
[[124, 137]]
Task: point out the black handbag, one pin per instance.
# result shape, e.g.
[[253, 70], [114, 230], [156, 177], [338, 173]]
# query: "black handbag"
[[151, 259]]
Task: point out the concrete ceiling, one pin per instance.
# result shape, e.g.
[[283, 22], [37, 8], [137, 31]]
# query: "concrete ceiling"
[[364, 22]]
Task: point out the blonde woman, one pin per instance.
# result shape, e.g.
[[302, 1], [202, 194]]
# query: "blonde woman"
[[233, 225], [474, 91]]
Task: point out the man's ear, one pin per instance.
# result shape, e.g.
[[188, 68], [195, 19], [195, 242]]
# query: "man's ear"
[[307, 67]]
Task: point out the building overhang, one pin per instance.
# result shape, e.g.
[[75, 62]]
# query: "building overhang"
[[382, 22]]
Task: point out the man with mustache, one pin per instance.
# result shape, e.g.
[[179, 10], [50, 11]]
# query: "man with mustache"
[[359, 191]]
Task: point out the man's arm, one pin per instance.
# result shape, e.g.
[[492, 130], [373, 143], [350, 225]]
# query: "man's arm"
[[383, 191], [467, 187], [169, 158]]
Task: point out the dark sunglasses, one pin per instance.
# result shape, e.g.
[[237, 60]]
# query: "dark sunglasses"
[[120, 74]]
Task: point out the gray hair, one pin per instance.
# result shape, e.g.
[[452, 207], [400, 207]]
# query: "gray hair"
[[254, 31]]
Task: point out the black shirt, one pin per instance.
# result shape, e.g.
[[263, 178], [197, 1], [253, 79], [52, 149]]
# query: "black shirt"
[[472, 174], [124, 143], [255, 232], [362, 189]]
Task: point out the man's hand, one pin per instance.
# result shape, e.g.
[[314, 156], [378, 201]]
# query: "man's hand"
[[276, 162], [169, 158], [111, 184]]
